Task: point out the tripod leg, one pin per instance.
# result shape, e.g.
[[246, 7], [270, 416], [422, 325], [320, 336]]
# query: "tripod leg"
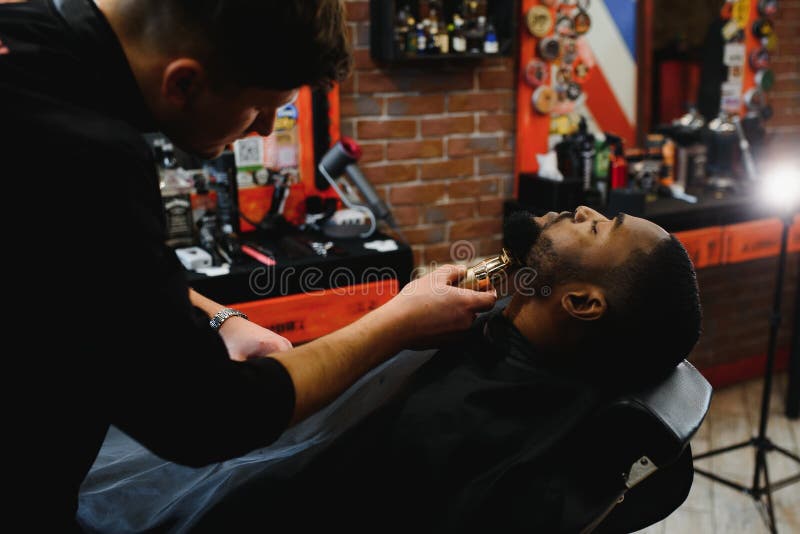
[[773, 527]]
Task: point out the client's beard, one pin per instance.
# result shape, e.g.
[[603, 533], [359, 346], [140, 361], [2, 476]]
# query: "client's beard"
[[520, 234], [540, 264]]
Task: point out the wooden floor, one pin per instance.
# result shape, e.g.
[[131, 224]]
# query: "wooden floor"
[[717, 509]]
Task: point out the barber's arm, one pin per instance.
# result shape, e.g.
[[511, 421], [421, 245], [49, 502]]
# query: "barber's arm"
[[425, 309], [243, 339]]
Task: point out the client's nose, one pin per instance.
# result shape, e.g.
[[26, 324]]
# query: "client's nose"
[[584, 213]]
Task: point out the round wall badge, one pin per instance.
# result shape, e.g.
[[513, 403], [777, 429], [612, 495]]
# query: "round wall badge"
[[565, 26], [539, 21], [536, 72], [770, 42], [765, 79], [549, 48], [768, 8], [551, 3], [580, 72], [573, 91], [759, 59], [582, 22], [544, 99]]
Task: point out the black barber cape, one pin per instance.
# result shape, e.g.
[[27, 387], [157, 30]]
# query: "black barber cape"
[[471, 445], [115, 339]]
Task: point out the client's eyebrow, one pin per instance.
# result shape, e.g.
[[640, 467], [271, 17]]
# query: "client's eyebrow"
[[618, 220]]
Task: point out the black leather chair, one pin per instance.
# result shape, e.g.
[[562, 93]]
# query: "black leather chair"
[[631, 464]]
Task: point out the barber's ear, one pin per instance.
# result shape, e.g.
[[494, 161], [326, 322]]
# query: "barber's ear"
[[182, 82], [587, 304]]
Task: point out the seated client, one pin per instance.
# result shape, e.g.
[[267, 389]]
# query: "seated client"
[[468, 443]]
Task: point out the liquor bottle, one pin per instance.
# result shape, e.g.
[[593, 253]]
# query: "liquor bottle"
[[411, 37], [422, 40], [476, 36], [401, 28], [490, 44], [459, 40]]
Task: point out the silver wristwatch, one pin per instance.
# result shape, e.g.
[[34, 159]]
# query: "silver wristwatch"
[[223, 315]]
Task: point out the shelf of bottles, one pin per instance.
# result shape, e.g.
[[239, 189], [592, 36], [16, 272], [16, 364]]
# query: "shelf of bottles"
[[414, 30]]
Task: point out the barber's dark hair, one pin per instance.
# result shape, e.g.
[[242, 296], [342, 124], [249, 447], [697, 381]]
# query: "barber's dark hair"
[[654, 316], [270, 44]]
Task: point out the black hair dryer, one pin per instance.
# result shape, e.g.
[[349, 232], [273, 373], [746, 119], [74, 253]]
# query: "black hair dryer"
[[341, 160]]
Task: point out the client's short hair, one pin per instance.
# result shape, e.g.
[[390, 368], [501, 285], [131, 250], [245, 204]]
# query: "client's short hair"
[[654, 315], [271, 44]]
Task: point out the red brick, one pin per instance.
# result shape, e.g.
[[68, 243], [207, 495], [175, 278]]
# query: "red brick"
[[386, 129], [347, 86], [496, 79], [362, 34], [424, 234], [419, 254], [357, 11], [408, 81], [371, 152], [430, 148], [467, 146], [490, 246], [436, 255], [490, 186], [416, 105], [450, 212], [480, 102], [388, 174], [407, 215], [417, 194], [452, 168], [359, 106], [348, 127], [496, 122], [363, 60], [493, 62], [474, 228], [495, 165], [465, 188], [491, 207], [447, 125]]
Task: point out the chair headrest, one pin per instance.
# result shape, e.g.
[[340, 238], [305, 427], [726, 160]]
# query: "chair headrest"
[[659, 421]]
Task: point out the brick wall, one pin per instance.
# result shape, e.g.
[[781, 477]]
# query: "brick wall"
[[784, 128], [438, 143], [737, 305]]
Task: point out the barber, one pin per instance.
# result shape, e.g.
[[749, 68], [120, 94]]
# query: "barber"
[[119, 339]]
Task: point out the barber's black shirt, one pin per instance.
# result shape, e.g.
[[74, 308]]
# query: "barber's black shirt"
[[115, 339]]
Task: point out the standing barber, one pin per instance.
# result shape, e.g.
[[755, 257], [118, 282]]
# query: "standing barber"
[[120, 341]]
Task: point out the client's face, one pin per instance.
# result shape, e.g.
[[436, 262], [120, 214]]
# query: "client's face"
[[583, 239]]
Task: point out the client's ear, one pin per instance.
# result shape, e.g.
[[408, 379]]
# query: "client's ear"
[[586, 304]]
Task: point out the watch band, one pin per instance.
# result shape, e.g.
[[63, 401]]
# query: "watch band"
[[223, 315]]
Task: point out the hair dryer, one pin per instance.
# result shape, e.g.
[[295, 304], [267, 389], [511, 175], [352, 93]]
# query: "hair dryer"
[[342, 159]]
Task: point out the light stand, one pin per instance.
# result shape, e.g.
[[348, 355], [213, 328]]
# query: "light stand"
[[760, 492]]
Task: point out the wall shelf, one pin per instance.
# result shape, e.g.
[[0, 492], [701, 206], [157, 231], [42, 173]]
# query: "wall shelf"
[[385, 47]]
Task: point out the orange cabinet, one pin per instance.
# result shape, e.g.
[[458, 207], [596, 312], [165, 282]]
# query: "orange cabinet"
[[306, 316], [704, 245], [752, 240]]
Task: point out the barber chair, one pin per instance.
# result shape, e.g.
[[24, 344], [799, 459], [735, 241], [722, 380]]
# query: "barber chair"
[[632, 462]]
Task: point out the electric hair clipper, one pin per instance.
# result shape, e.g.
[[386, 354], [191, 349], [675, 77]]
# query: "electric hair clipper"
[[481, 276]]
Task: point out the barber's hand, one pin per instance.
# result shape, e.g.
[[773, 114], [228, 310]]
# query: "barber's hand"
[[431, 308], [246, 340]]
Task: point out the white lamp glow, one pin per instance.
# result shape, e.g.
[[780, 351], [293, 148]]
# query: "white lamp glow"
[[781, 186]]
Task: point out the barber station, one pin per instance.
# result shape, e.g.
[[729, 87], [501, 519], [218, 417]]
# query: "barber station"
[[493, 266]]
